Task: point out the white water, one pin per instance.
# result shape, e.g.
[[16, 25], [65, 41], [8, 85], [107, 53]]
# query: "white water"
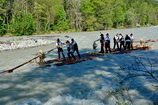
[[93, 82]]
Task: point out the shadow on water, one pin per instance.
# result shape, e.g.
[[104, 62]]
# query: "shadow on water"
[[77, 80]]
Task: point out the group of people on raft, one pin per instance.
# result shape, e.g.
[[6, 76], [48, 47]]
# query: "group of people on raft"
[[71, 48], [119, 41]]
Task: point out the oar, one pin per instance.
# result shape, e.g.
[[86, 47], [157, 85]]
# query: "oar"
[[11, 70]]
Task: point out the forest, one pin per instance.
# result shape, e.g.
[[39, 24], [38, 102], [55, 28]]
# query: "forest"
[[27, 17]]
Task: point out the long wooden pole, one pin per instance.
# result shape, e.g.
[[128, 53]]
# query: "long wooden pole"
[[11, 70]]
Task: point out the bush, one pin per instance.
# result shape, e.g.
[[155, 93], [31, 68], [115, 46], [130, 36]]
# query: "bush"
[[22, 25]]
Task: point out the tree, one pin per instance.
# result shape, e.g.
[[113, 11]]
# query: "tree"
[[88, 15], [2, 22], [130, 20], [144, 14], [104, 13], [45, 14], [139, 68], [7, 9], [2, 27], [72, 8], [22, 25], [85, 15], [118, 16], [61, 22]]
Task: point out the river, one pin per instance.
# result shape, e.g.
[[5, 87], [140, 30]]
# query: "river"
[[85, 83]]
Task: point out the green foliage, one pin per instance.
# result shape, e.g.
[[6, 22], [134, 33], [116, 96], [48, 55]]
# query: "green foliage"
[[103, 14], [45, 15], [24, 17], [22, 25], [88, 15], [2, 27], [130, 18], [61, 22], [118, 16], [73, 11]]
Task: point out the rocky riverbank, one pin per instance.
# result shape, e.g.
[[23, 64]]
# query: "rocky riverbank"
[[12, 43]]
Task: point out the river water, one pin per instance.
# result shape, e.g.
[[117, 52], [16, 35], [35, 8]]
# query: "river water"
[[86, 83]]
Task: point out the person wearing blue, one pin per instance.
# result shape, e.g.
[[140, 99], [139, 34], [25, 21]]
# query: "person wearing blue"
[[70, 51], [107, 43], [75, 47], [59, 45]]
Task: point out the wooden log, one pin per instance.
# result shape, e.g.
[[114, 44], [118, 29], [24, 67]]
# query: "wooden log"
[[11, 70]]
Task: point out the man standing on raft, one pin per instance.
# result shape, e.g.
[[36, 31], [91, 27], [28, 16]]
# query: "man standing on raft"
[[59, 45], [75, 47], [102, 42], [107, 43]]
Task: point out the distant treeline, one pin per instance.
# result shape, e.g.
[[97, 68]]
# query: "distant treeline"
[[26, 17]]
